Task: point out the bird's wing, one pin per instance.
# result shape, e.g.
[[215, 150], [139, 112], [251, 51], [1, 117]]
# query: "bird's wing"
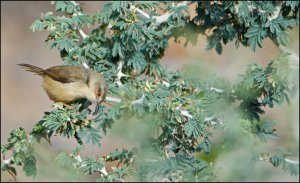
[[68, 74]]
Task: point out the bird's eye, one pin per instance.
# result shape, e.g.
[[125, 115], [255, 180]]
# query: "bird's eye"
[[99, 93]]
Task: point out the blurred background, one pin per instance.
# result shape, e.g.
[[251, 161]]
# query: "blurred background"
[[23, 101]]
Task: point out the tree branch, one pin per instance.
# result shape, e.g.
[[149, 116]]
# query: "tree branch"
[[140, 11], [85, 65], [8, 161], [112, 99], [291, 161], [216, 90], [186, 114], [83, 35], [117, 100], [120, 73], [78, 158], [139, 101], [158, 19]]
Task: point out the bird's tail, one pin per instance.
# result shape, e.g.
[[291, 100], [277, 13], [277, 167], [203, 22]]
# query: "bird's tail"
[[32, 68]]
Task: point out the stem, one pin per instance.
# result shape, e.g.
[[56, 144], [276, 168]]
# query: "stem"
[[165, 83], [186, 114], [140, 11], [112, 99], [120, 73], [117, 100], [158, 19], [275, 13], [14, 177], [291, 161], [8, 161], [216, 90], [85, 65], [79, 159], [83, 35], [139, 101], [104, 172]]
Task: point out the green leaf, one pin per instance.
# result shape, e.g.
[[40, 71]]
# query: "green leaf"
[[255, 34], [137, 61], [37, 25], [92, 135], [64, 160], [65, 44], [30, 166], [92, 165], [243, 9], [192, 128]]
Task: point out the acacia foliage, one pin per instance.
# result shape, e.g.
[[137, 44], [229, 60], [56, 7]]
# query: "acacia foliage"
[[126, 44]]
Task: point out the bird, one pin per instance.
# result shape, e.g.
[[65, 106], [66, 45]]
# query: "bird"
[[68, 83]]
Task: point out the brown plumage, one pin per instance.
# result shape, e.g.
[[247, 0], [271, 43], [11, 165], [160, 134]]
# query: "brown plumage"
[[68, 83]]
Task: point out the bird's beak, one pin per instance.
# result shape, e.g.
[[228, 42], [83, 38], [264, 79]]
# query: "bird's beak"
[[97, 107]]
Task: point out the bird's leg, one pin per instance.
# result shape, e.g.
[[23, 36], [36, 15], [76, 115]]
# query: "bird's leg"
[[108, 103], [96, 108], [68, 106]]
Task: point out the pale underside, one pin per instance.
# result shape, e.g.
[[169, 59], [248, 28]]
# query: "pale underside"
[[66, 92]]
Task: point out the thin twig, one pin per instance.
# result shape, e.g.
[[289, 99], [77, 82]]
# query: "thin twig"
[[140, 11], [79, 159], [112, 99], [139, 101], [85, 65], [158, 19], [291, 161], [14, 177], [216, 90], [120, 73], [83, 35], [187, 114], [117, 100]]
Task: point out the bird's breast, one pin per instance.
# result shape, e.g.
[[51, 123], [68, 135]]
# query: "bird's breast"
[[66, 92]]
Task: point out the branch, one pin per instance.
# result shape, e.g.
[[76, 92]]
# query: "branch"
[[8, 161], [275, 13], [158, 19], [83, 35], [164, 18], [85, 65], [103, 170], [165, 83], [139, 101], [117, 100], [186, 114], [140, 11], [120, 74], [216, 90], [183, 112], [112, 99], [261, 158], [291, 161]]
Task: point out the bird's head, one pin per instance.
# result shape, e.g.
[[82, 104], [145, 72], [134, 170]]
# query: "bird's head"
[[99, 88]]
